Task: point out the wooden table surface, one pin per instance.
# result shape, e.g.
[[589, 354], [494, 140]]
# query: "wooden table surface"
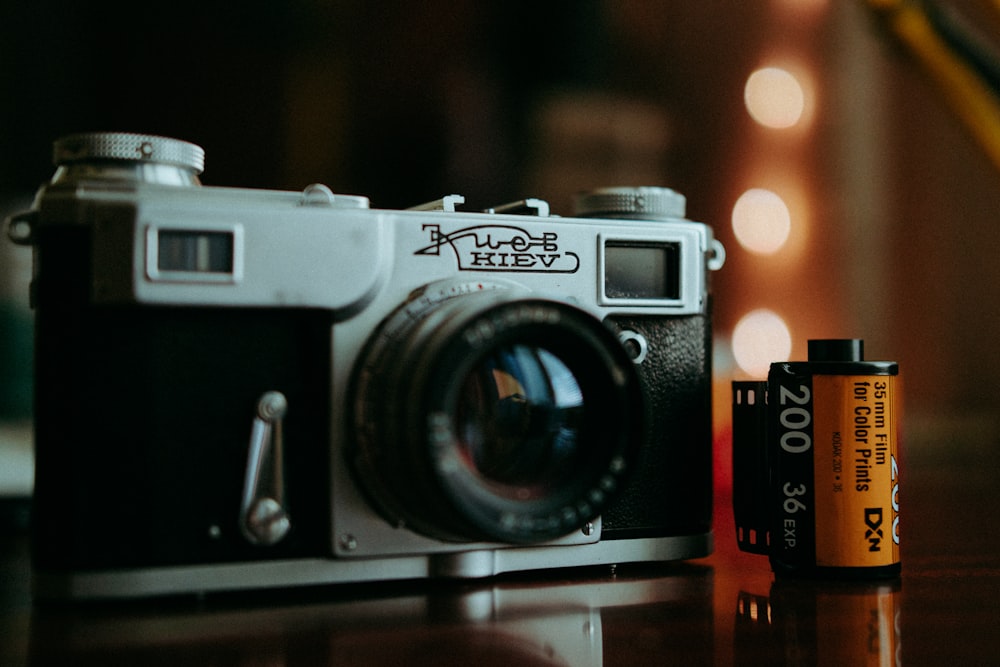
[[724, 610]]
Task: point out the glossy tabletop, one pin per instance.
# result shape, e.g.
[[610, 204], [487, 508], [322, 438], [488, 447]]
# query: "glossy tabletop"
[[727, 609]]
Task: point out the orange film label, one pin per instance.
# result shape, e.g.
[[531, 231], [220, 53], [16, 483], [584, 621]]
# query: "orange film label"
[[856, 470]]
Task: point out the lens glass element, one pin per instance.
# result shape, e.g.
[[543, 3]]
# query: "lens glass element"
[[518, 422]]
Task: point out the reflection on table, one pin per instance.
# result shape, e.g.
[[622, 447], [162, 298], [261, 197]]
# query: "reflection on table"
[[566, 621]]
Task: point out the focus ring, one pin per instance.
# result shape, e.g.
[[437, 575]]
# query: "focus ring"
[[129, 147]]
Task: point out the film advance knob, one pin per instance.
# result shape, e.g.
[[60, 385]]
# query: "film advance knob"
[[123, 156], [639, 202], [126, 146]]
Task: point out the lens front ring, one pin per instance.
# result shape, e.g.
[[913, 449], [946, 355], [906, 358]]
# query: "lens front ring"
[[493, 416]]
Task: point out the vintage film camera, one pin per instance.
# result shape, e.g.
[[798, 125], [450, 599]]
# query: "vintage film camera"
[[240, 388]]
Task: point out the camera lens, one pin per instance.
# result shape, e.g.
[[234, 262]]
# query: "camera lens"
[[492, 416]]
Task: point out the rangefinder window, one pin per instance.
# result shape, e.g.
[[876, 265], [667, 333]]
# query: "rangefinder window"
[[641, 270], [197, 252], [193, 255]]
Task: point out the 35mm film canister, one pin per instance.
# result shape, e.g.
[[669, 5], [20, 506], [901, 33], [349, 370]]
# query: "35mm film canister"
[[816, 464]]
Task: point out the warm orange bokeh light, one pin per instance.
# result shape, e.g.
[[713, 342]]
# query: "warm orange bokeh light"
[[774, 97], [760, 338], [761, 221]]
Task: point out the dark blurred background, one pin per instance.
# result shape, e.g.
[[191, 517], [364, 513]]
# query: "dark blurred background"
[[886, 205]]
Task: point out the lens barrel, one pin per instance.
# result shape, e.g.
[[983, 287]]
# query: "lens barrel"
[[495, 416]]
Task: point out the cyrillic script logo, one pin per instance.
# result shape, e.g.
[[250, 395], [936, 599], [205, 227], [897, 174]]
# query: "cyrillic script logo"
[[502, 248]]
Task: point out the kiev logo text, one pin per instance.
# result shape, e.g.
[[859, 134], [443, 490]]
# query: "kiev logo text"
[[502, 248]]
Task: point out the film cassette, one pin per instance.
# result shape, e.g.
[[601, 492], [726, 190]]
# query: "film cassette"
[[816, 464]]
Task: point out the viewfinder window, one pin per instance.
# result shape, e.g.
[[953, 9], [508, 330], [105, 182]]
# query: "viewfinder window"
[[190, 251], [641, 270]]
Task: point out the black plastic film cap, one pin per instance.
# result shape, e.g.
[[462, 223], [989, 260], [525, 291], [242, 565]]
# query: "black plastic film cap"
[[837, 349]]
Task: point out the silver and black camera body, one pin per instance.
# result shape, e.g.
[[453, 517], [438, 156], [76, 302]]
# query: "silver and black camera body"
[[242, 389]]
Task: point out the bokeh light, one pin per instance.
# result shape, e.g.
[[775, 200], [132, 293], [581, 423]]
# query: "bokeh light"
[[760, 338], [774, 97], [761, 221]]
